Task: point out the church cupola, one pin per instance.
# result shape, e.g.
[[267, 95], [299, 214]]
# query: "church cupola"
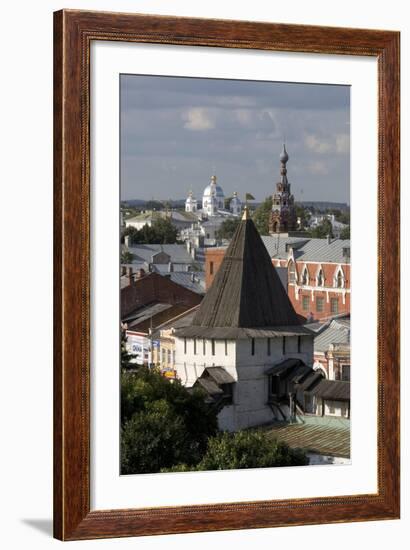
[[213, 198], [191, 204], [235, 205]]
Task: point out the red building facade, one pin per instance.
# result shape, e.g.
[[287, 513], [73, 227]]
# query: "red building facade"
[[318, 274]]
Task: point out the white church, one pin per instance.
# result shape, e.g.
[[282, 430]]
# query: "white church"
[[213, 202], [246, 347]]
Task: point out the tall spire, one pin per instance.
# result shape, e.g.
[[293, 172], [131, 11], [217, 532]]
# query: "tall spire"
[[246, 291], [284, 157]]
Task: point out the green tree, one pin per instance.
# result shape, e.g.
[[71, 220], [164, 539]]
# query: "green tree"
[[163, 423], [322, 230], [302, 214], [126, 257], [345, 233], [162, 231], [126, 356], [153, 205], [227, 228], [261, 216], [247, 449]]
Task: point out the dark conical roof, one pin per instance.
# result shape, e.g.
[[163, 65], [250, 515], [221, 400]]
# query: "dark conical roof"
[[246, 291]]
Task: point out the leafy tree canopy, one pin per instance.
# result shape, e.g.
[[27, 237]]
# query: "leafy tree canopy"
[[163, 424], [227, 228], [162, 231], [345, 233], [246, 449], [322, 230], [261, 216]]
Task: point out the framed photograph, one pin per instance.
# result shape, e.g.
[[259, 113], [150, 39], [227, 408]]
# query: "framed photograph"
[[226, 275]]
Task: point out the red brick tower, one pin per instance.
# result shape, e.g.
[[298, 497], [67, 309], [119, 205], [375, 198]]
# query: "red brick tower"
[[283, 216]]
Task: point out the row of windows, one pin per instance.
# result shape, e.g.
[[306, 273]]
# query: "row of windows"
[[198, 347], [338, 279], [268, 345], [253, 346], [320, 304]]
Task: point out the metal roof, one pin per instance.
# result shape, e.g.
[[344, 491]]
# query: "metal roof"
[[307, 249], [246, 291], [144, 252], [184, 278], [337, 332]]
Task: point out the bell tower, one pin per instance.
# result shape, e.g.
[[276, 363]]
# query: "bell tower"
[[283, 215]]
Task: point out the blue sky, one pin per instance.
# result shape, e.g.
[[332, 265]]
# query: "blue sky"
[[176, 132]]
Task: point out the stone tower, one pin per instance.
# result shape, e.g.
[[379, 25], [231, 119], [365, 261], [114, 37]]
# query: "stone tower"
[[283, 215]]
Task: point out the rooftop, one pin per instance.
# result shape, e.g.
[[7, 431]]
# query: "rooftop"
[[336, 331], [247, 292], [307, 249]]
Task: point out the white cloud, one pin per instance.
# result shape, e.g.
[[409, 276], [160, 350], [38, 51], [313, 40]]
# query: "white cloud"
[[316, 145], [339, 143], [318, 168], [342, 143], [198, 119]]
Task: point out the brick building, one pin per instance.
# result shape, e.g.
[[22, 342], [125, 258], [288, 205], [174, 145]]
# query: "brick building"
[[318, 273], [139, 289], [148, 300]]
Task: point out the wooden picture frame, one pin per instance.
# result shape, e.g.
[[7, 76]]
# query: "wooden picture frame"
[[74, 32]]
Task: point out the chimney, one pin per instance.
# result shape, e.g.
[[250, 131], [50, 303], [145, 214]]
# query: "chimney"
[[329, 239], [193, 277], [170, 267], [127, 241], [130, 274]]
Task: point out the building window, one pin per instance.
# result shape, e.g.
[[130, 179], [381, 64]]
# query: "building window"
[[299, 343], [226, 346], [203, 346], [346, 373], [305, 276], [194, 346], [253, 346], [173, 357], [213, 346], [292, 272], [320, 278], [268, 341], [228, 393], [331, 408], [185, 346], [284, 345], [163, 356], [339, 279], [334, 305], [211, 267], [305, 303], [320, 304], [168, 357]]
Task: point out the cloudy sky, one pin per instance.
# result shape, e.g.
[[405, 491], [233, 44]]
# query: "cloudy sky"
[[176, 132]]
